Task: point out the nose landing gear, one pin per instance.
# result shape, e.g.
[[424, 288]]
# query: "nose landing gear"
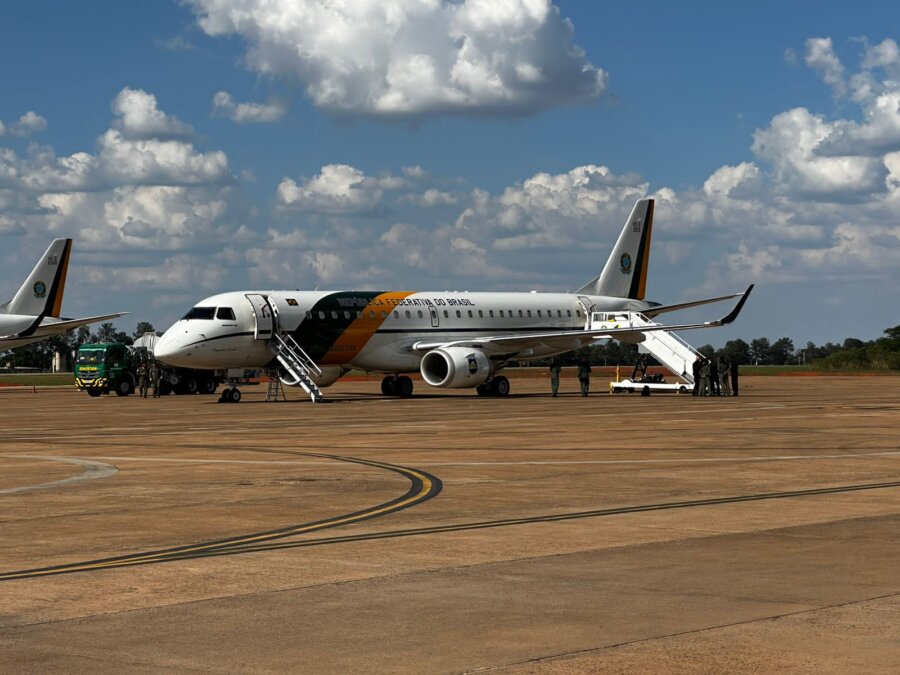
[[230, 395]]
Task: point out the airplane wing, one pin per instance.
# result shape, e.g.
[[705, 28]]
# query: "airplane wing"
[[660, 309], [510, 345], [57, 327], [69, 324]]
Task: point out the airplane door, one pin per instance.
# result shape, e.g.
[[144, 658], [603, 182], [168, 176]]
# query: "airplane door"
[[435, 319], [262, 312]]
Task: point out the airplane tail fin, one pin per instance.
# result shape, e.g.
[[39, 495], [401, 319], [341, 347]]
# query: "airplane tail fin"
[[625, 273], [42, 292]]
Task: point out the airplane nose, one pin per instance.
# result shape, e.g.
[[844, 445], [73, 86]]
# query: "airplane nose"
[[168, 348]]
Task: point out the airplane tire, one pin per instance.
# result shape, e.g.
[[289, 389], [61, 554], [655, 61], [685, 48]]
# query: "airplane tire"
[[388, 386], [230, 395], [404, 386], [500, 386], [482, 390]]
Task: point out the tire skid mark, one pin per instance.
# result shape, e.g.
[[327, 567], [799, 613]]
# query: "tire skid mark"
[[423, 486]]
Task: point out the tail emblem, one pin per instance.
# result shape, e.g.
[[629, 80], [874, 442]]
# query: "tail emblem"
[[40, 289], [625, 263]]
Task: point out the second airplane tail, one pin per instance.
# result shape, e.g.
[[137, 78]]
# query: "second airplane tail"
[[42, 292], [625, 272]]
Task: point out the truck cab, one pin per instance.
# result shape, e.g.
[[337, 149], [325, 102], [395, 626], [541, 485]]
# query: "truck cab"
[[104, 367]]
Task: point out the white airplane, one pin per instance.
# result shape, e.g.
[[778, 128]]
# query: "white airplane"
[[33, 313], [455, 339]]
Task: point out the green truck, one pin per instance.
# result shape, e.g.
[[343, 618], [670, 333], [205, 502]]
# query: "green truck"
[[105, 367]]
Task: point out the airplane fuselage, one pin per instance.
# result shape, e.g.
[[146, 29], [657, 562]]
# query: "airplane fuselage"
[[367, 330]]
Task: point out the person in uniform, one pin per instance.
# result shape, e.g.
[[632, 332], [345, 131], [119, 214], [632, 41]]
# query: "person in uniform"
[[143, 378], [156, 379], [554, 376], [734, 378], [695, 370], [714, 378], [704, 378], [724, 372], [584, 376]]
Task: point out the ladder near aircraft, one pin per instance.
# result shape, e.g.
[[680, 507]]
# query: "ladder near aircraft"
[[299, 368], [666, 347]]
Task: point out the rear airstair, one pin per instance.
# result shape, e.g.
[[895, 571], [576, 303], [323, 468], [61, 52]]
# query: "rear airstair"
[[299, 368], [666, 347]]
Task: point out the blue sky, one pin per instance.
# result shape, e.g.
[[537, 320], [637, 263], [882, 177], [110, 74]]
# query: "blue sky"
[[473, 145]]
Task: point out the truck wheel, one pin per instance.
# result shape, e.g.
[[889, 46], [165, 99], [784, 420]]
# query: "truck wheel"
[[124, 387], [187, 386], [208, 386], [95, 393]]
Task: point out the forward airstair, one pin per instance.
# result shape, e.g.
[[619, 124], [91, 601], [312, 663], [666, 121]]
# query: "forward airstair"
[[666, 347], [299, 368]]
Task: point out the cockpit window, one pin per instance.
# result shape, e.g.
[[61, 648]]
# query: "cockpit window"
[[225, 313], [200, 313]]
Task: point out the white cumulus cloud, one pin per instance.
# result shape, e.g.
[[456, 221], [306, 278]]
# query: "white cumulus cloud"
[[337, 189], [410, 58], [27, 124], [137, 116], [244, 113]]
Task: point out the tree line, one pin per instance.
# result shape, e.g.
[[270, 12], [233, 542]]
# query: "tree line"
[[852, 354]]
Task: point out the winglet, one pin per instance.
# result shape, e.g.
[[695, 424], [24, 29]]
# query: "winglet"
[[733, 314]]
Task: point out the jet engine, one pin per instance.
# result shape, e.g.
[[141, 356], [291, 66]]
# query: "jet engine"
[[455, 367]]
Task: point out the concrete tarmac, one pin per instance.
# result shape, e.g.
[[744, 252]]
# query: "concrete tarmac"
[[452, 533]]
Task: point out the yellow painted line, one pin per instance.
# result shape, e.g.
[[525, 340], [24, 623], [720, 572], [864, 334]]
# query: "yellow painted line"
[[427, 485]]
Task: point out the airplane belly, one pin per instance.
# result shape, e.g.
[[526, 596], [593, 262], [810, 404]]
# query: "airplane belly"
[[229, 353], [385, 353]]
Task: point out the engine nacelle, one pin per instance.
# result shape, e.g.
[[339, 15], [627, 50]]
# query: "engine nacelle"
[[455, 367]]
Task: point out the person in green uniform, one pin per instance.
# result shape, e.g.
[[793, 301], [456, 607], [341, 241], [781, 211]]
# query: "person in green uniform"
[[724, 371], [704, 379], [156, 379], [584, 376], [143, 378], [554, 376]]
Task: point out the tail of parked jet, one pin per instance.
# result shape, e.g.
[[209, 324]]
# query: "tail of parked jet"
[[42, 292], [625, 273]]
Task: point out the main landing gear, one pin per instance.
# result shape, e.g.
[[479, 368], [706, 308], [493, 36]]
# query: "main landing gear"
[[230, 395], [496, 386], [393, 385]]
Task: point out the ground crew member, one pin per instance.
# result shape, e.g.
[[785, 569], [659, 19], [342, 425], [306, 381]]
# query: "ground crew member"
[[734, 378], [695, 369], [704, 378], [724, 372], [143, 378], [713, 378], [584, 376], [156, 379], [554, 376]]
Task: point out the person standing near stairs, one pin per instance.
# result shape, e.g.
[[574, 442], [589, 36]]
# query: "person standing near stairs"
[[554, 376]]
